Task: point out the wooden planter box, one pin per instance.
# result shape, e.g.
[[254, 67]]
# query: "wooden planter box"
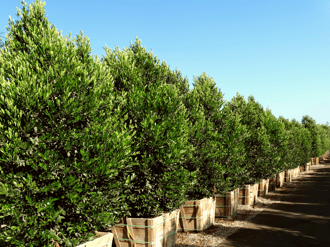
[[197, 215], [226, 204], [248, 194], [317, 160], [103, 239], [156, 231], [288, 176], [272, 184], [313, 161], [263, 187], [294, 173], [280, 179]]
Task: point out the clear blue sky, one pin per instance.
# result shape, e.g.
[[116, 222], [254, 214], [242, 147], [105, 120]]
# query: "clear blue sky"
[[277, 51]]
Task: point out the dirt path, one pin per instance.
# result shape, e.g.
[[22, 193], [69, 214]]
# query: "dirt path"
[[302, 218]]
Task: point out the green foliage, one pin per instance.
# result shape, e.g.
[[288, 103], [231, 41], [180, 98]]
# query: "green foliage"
[[1, 43], [323, 137], [216, 137], [279, 141], [294, 154], [62, 156], [310, 124], [159, 118], [290, 157], [326, 127], [86, 142], [306, 146], [2, 47], [257, 144]]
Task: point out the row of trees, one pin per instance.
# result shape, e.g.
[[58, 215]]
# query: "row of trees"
[[87, 141]]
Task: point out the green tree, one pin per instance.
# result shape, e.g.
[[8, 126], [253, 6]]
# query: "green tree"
[[297, 147], [217, 137], [278, 137], [157, 114], [326, 127], [310, 124], [323, 138], [303, 143], [23, 27], [257, 144], [57, 170]]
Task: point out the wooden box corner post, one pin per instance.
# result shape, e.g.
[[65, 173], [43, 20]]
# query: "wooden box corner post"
[[288, 176], [280, 179], [263, 187], [272, 184]]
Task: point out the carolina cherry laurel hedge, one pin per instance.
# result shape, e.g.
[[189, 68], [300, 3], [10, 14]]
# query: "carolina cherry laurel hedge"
[[85, 142]]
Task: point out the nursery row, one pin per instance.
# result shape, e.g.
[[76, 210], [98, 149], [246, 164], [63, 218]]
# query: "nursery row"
[[85, 143], [193, 216]]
